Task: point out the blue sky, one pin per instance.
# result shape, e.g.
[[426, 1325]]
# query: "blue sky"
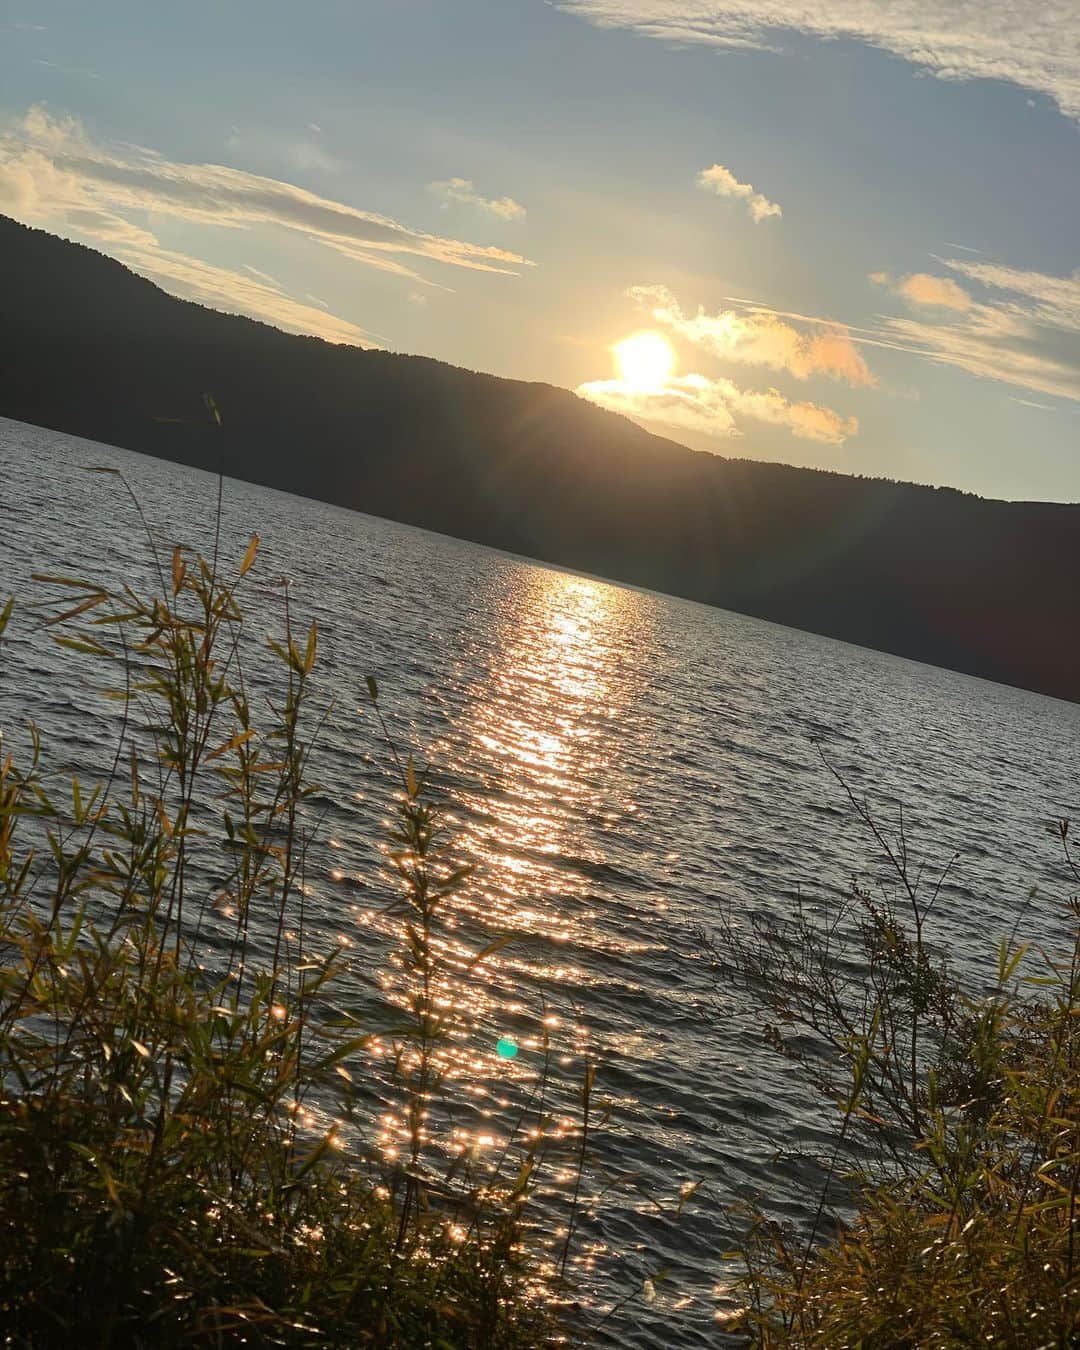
[[859, 242]]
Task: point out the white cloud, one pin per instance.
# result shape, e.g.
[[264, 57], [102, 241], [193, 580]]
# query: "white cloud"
[[758, 337], [52, 174], [707, 406], [724, 183], [462, 191], [1031, 43]]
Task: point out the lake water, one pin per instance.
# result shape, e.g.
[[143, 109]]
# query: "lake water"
[[623, 766]]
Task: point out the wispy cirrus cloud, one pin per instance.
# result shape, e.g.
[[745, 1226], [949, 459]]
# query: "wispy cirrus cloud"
[[462, 192], [1017, 326], [1054, 299], [723, 183], [759, 337], [53, 174], [714, 406], [244, 293], [1031, 43], [1012, 325], [264, 277], [295, 152]]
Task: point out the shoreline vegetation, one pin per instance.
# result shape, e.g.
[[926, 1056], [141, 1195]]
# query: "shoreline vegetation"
[[184, 1153], [186, 1150], [948, 1212]]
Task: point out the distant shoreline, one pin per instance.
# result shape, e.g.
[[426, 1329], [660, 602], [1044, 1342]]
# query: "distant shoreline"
[[930, 574]]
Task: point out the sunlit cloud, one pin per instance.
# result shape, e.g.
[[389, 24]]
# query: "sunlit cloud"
[[921, 288], [724, 183], [758, 337], [1033, 345], [1022, 328], [712, 407], [104, 226], [1031, 43], [1056, 299], [237, 292], [60, 156], [463, 193], [264, 277], [54, 175]]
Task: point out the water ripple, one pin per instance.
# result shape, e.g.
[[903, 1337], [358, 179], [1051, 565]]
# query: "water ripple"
[[621, 765]]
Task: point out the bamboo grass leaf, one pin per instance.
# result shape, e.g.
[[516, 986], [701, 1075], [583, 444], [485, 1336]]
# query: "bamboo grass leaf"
[[249, 556]]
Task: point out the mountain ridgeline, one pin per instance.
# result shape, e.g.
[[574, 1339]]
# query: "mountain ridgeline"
[[985, 587]]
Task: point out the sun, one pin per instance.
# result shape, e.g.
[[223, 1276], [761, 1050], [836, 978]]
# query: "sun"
[[645, 360]]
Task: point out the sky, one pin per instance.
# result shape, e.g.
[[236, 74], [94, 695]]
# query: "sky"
[[843, 236]]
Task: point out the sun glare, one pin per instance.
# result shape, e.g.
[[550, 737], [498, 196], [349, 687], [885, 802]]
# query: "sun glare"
[[645, 360]]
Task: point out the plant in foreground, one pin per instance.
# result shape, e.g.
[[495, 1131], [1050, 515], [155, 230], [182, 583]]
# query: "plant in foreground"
[[183, 1154], [949, 1212]]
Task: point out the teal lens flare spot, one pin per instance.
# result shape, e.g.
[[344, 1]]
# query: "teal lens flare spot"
[[507, 1048]]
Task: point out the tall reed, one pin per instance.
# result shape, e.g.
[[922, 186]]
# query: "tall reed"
[[185, 1150]]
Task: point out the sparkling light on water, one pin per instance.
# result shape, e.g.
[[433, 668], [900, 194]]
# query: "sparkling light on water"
[[623, 768]]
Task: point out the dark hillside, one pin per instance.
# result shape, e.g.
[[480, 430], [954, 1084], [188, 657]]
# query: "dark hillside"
[[982, 586]]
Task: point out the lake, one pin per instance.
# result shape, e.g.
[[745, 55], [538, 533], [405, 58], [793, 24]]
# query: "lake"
[[624, 767]]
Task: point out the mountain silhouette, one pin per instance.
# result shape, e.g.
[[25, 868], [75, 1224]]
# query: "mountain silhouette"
[[986, 587]]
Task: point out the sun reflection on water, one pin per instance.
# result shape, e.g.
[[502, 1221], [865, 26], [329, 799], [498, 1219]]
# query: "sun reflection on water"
[[537, 769], [544, 728], [534, 757]]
